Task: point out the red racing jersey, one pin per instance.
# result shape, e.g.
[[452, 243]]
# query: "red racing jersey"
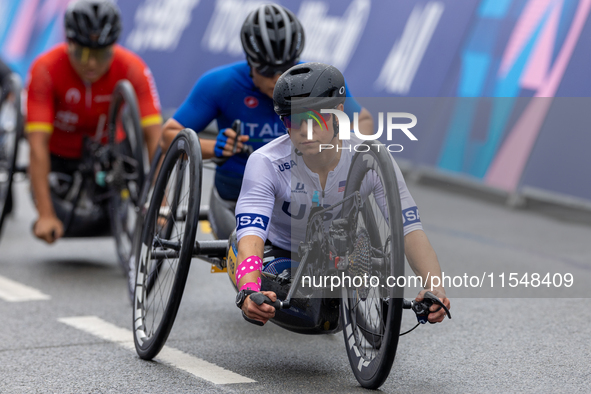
[[61, 103]]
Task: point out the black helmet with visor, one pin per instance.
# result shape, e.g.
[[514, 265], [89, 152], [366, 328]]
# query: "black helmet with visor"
[[308, 87]]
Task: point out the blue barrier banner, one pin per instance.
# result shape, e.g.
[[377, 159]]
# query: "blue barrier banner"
[[493, 55], [383, 48]]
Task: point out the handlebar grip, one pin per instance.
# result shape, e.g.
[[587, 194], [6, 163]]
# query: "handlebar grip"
[[260, 298], [422, 308], [437, 301], [236, 126]]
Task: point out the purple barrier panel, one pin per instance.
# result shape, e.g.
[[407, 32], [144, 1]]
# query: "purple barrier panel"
[[425, 109], [409, 47], [467, 131], [560, 161], [576, 81], [514, 48]]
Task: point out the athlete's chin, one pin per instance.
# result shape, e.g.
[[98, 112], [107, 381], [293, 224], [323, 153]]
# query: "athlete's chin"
[[309, 148], [91, 77]]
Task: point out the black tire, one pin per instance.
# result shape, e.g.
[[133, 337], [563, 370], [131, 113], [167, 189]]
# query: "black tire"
[[128, 170], [11, 124], [172, 217], [371, 316], [145, 197]]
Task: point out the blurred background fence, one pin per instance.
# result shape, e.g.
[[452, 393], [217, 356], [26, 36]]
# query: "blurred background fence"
[[515, 74]]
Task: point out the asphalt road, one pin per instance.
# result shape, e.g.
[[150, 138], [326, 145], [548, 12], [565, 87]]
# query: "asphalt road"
[[492, 344]]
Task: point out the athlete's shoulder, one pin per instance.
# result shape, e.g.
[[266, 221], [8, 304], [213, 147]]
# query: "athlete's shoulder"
[[276, 151], [54, 56], [233, 73], [279, 148], [126, 58]]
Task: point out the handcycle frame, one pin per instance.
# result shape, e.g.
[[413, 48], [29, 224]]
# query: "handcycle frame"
[[215, 251], [102, 166]]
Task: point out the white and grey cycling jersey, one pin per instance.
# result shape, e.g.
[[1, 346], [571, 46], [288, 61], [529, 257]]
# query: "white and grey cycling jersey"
[[277, 190]]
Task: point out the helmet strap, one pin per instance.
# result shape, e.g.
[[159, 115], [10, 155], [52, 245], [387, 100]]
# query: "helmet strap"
[[335, 126]]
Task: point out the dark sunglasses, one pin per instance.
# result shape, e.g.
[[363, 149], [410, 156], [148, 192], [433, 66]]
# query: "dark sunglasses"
[[83, 54], [270, 71], [294, 121]]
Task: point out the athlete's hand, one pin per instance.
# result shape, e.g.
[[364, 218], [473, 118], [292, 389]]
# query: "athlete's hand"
[[437, 313], [48, 228], [262, 312], [224, 144]]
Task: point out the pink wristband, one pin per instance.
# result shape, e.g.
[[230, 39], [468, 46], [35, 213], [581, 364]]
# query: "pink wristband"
[[252, 286], [250, 264]]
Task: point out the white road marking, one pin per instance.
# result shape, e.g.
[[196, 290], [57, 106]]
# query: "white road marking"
[[174, 357], [12, 291]]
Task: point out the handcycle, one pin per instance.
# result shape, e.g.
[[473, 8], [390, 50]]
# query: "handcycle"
[[367, 239], [11, 131], [219, 213], [100, 194]]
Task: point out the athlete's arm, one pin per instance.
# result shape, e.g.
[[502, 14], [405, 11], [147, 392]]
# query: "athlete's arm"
[[47, 227], [152, 136], [365, 118], [423, 261], [418, 249], [365, 122], [171, 129], [39, 126], [253, 245], [253, 215]]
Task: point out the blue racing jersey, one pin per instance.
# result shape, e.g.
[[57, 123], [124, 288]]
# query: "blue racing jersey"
[[228, 93]]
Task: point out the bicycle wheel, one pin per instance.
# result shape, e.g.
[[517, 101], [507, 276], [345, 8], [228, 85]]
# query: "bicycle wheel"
[[128, 170], [10, 132], [167, 243], [371, 315]]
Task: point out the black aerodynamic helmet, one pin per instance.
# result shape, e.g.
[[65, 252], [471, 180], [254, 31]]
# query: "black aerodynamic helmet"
[[93, 23], [273, 39], [308, 86]]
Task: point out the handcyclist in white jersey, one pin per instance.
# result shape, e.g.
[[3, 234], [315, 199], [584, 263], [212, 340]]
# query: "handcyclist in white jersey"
[[283, 178]]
